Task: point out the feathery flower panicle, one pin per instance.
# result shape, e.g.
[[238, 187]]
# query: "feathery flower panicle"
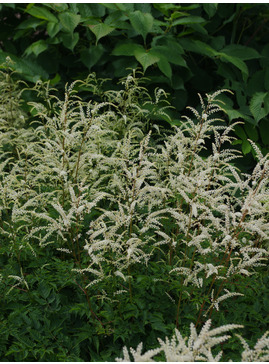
[[178, 349], [101, 181]]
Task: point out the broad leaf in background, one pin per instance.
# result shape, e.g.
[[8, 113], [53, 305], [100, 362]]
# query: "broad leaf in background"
[[240, 51], [141, 22], [237, 62], [41, 13], [259, 105], [70, 40], [100, 30], [29, 68], [165, 67], [53, 28], [127, 49], [146, 58], [210, 9], [36, 47], [69, 21], [189, 20], [92, 55]]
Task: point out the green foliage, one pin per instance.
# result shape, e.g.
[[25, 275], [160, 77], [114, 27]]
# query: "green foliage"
[[184, 48], [115, 230]]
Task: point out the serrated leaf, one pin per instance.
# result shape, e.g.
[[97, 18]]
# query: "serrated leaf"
[[141, 22], [189, 20], [178, 14], [53, 28], [41, 13], [101, 30], [44, 290], [126, 49], [256, 106], [85, 10], [145, 58], [115, 7], [69, 21]]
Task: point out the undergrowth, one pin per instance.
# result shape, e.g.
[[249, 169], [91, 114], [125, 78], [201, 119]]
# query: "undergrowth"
[[115, 231]]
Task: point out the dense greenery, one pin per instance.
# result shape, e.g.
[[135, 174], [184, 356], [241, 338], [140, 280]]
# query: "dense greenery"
[[183, 48], [121, 219], [115, 231]]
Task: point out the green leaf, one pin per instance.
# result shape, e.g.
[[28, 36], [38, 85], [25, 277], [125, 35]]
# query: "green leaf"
[[122, 65], [189, 20], [166, 8], [237, 62], [246, 147], [41, 13], [174, 57], [240, 51], [70, 40], [145, 58], [126, 49], [197, 46], [92, 55], [100, 30], [69, 21], [239, 131], [44, 290], [255, 82], [29, 69], [115, 7], [178, 14], [256, 106], [199, 29], [165, 67], [55, 80], [58, 7], [210, 9], [141, 22], [53, 28], [31, 23], [85, 10], [159, 326], [177, 82], [36, 48], [252, 132]]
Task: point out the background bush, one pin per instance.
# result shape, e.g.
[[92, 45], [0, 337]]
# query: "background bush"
[[183, 48]]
